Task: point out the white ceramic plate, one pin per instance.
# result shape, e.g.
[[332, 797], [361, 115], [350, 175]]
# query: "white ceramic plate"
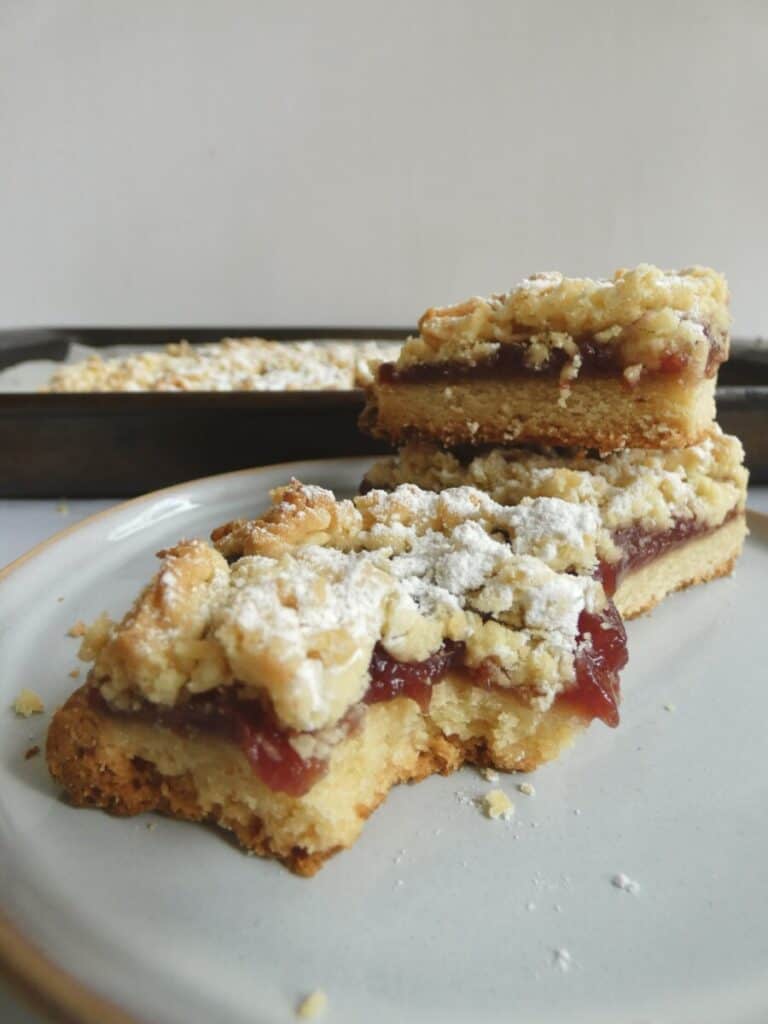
[[437, 914]]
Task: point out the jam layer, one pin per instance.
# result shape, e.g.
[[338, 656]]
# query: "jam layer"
[[601, 654], [639, 546], [598, 360]]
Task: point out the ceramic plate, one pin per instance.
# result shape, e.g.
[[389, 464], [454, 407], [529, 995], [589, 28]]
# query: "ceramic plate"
[[437, 914]]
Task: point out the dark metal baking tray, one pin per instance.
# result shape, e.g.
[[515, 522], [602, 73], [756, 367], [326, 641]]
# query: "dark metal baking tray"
[[103, 445]]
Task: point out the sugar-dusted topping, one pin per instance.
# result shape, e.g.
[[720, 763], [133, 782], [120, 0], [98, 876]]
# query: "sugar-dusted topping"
[[635, 486], [316, 584], [233, 364], [562, 533], [644, 314]]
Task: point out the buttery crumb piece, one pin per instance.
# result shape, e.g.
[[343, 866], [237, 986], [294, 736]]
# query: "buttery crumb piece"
[[62, 508], [497, 804], [313, 1005], [28, 703], [489, 774], [74, 673], [79, 629], [527, 789], [59, 599], [31, 752], [669, 707], [151, 826]]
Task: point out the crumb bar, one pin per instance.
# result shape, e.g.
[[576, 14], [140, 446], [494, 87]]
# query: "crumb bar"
[[673, 518], [607, 364], [279, 681], [233, 364]]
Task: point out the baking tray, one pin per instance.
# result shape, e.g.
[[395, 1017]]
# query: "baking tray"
[[116, 445]]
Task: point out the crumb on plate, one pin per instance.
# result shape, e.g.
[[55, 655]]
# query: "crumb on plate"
[[28, 703], [497, 804]]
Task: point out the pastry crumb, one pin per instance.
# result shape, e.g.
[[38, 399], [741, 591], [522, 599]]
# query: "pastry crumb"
[[625, 883], [527, 789], [489, 774], [669, 707], [151, 826], [497, 804], [74, 673], [79, 629], [59, 599], [28, 703], [63, 508], [32, 752], [313, 1005]]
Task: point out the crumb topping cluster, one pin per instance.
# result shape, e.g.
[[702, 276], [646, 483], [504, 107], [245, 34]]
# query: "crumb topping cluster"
[[317, 583], [643, 315], [233, 364], [648, 487]]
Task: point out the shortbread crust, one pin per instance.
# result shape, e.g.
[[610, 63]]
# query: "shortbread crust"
[[128, 767]]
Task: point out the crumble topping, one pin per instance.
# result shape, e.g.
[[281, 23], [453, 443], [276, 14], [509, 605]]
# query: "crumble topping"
[[317, 583], [28, 703], [646, 486], [644, 315], [233, 364]]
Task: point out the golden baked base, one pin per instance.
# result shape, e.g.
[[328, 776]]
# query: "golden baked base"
[[599, 413], [696, 561], [129, 766]]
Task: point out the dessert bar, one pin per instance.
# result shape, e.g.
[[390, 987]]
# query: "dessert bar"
[[674, 517], [606, 364], [233, 364], [279, 681]]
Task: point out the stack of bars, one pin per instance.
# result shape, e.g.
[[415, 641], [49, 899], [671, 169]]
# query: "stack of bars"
[[279, 679], [606, 389]]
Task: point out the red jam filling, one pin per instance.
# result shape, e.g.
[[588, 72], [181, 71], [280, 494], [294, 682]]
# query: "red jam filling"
[[597, 360], [601, 653], [639, 546], [414, 679], [267, 746]]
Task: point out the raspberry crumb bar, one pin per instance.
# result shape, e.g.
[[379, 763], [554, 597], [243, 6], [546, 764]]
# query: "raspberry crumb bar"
[[607, 364], [672, 518], [281, 680]]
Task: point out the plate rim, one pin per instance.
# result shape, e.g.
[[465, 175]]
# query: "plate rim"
[[32, 973]]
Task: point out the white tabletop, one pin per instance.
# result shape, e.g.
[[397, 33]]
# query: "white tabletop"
[[24, 523]]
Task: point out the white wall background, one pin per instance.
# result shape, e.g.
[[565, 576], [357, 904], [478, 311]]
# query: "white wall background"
[[345, 162]]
